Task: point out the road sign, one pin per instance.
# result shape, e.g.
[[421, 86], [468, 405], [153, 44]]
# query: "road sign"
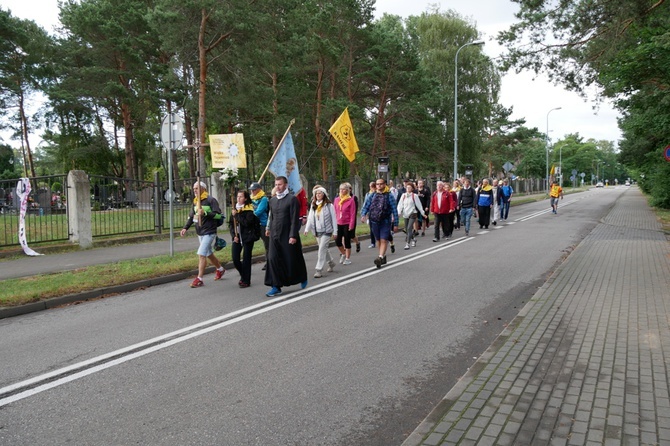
[[582, 175], [172, 131], [667, 153], [508, 166], [574, 172]]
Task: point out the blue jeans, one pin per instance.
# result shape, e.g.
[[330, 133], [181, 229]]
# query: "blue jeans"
[[466, 215], [504, 210]]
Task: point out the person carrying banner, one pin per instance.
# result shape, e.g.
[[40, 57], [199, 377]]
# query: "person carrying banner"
[[206, 215]]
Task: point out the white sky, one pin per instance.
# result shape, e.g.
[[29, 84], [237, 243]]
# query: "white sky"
[[531, 99]]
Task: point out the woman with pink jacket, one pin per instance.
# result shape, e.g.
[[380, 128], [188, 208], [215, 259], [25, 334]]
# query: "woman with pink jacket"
[[345, 211]]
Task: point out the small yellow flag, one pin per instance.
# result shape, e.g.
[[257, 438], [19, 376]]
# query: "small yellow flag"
[[551, 172], [343, 132]]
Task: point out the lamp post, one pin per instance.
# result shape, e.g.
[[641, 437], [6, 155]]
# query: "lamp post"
[[476, 42], [547, 147]]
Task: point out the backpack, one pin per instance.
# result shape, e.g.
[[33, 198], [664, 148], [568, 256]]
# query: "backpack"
[[380, 209], [257, 228], [219, 222]]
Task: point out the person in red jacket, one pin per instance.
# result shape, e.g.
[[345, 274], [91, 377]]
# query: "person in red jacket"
[[302, 199], [440, 206]]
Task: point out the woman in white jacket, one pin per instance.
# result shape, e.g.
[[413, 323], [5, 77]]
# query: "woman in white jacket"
[[409, 208], [322, 222]]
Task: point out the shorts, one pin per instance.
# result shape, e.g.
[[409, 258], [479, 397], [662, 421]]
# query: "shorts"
[[554, 201], [206, 247], [381, 230]]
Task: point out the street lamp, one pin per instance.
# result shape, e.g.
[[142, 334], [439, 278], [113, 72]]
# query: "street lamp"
[[547, 147], [476, 42]]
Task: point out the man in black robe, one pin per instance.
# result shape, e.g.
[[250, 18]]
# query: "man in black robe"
[[286, 264]]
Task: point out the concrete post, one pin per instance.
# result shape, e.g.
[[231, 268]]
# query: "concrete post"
[[79, 208], [218, 191]]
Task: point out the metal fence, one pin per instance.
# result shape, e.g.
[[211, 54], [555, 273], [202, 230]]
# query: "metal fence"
[[46, 217]]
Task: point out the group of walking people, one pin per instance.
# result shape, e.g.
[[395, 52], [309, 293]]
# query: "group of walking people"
[[277, 221]]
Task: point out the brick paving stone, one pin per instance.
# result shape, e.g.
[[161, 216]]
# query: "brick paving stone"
[[584, 363]]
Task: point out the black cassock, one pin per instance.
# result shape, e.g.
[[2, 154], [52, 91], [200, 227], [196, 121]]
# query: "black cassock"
[[286, 264]]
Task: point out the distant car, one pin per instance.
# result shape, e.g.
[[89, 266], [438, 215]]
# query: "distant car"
[[627, 183], [600, 184]]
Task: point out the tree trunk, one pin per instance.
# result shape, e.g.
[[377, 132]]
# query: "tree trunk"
[[24, 134], [202, 90]]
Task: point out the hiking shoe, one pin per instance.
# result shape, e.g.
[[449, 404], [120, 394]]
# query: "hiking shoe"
[[303, 285], [219, 273], [392, 249], [331, 267], [317, 274], [274, 291], [384, 260], [358, 247], [378, 262], [406, 245], [342, 257], [197, 283]]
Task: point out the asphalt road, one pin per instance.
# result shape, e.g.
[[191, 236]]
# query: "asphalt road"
[[359, 357]]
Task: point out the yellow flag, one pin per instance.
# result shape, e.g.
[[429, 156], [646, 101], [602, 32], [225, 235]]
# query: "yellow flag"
[[551, 172], [343, 132]]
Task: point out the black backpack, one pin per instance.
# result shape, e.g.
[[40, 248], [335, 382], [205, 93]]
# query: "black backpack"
[[380, 209]]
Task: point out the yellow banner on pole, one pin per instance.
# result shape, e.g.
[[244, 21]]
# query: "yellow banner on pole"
[[228, 151], [343, 133]]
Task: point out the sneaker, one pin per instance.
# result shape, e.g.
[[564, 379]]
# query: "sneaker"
[[384, 260], [378, 262], [197, 283], [436, 239], [423, 234], [467, 233], [264, 267], [406, 245], [243, 284], [274, 291], [331, 267], [317, 274], [494, 222], [392, 249], [303, 285], [347, 262], [372, 245], [219, 273], [342, 257], [358, 247], [413, 243]]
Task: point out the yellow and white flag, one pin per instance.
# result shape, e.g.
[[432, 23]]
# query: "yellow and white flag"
[[343, 132]]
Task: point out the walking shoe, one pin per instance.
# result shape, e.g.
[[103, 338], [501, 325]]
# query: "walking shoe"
[[372, 245], [467, 233], [303, 285], [197, 283], [494, 222], [243, 284], [392, 248], [342, 257], [331, 266], [358, 247], [274, 291], [219, 273], [413, 243], [436, 239], [406, 245], [347, 262], [423, 234], [378, 262], [384, 260], [264, 267], [317, 274]]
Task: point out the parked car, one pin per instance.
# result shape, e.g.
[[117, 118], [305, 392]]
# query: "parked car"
[[600, 184], [627, 183]]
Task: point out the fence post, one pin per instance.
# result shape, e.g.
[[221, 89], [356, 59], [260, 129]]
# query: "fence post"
[[218, 191], [79, 208], [158, 204]]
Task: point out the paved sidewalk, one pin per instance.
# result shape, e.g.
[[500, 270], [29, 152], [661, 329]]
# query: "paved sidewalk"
[[587, 359]]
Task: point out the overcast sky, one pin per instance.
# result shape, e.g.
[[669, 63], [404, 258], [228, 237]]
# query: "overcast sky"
[[530, 98]]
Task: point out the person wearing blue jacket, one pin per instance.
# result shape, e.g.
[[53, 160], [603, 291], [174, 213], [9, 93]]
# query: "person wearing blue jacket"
[[484, 203], [261, 208]]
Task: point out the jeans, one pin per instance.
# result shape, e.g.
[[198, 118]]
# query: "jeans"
[[409, 229], [504, 210], [466, 215]]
